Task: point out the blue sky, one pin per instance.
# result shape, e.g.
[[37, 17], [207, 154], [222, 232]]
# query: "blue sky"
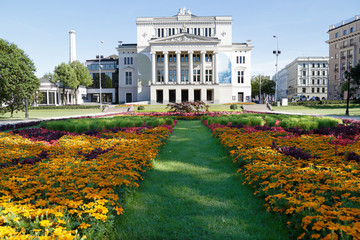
[[41, 27]]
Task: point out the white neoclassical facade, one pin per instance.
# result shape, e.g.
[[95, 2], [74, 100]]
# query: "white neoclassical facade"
[[184, 58]]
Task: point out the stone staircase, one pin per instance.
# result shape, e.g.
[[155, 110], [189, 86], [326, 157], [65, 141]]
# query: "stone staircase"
[[257, 108]]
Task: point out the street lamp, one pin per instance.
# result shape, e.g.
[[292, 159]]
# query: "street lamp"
[[348, 77], [100, 73], [277, 52]]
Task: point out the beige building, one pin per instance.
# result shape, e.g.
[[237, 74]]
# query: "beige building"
[[306, 76], [344, 52]]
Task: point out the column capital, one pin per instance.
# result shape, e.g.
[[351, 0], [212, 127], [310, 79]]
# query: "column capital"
[[152, 53], [191, 52], [178, 52], [203, 51], [165, 52]]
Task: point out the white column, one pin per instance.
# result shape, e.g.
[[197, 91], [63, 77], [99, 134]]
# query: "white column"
[[202, 75], [166, 67], [178, 67], [153, 67], [215, 70], [191, 67]]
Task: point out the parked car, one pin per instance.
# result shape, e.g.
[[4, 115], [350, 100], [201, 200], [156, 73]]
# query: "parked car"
[[315, 99], [299, 98]]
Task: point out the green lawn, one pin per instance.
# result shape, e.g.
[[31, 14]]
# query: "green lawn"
[[49, 113], [194, 192], [338, 109]]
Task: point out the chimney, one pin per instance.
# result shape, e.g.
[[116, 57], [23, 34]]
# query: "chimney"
[[72, 54]]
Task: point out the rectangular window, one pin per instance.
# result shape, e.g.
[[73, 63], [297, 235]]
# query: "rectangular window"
[[324, 73], [318, 90], [337, 35], [243, 60], [196, 57], [318, 73], [208, 57], [313, 65], [303, 64], [160, 75], [184, 75], [336, 45], [159, 33], [169, 31], [124, 60], [313, 73], [324, 81], [240, 76], [324, 64], [304, 81], [351, 29], [313, 81], [162, 32], [351, 42], [345, 32], [318, 81], [128, 78], [208, 75], [209, 32], [196, 75], [304, 73], [237, 59], [312, 90], [198, 31], [206, 32], [304, 90], [173, 31], [323, 90], [131, 60]]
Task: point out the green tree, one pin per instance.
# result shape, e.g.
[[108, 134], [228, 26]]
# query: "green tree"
[[267, 86], [65, 76], [82, 75], [355, 74], [17, 79]]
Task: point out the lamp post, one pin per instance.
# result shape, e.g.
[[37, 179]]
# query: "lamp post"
[[276, 52], [348, 77], [100, 74]]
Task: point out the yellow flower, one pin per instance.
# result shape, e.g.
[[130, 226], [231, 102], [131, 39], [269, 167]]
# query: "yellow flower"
[[45, 223]]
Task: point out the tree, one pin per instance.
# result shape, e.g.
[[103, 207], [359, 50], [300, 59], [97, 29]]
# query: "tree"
[[267, 86], [65, 76], [355, 74], [82, 75], [17, 79]]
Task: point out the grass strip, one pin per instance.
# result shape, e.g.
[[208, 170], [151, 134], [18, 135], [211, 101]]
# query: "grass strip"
[[193, 192]]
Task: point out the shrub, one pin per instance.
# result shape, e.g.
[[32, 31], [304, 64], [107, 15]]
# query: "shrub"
[[140, 108], [233, 106], [188, 107]]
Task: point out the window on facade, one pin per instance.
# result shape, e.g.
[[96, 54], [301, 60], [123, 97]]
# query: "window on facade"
[[51, 98], [351, 29], [318, 73], [313, 81], [208, 75], [243, 61], [318, 81], [196, 57], [323, 90], [318, 65], [240, 76], [188, 30], [324, 81], [313, 65], [125, 60], [324, 73], [172, 75], [318, 90], [303, 64], [160, 58], [304, 90], [345, 32], [344, 43], [208, 57], [351, 42], [337, 35], [195, 32], [206, 32], [313, 73], [160, 75], [336, 45], [172, 57], [159, 32], [312, 90], [304, 73], [304, 81], [162, 32], [184, 75], [128, 78], [209, 32], [324, 64], [184, 57], [196, 75]]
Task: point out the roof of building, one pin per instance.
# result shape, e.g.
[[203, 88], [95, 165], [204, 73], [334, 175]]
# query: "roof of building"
[[344, 22]]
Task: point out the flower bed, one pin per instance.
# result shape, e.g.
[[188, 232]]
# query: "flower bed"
[[74, 186], [310, 178]]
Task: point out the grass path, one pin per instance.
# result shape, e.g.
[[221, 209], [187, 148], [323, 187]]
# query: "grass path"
[[193, 192]]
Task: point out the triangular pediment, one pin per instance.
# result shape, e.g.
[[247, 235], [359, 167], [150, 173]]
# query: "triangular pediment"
[[184, 38]]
